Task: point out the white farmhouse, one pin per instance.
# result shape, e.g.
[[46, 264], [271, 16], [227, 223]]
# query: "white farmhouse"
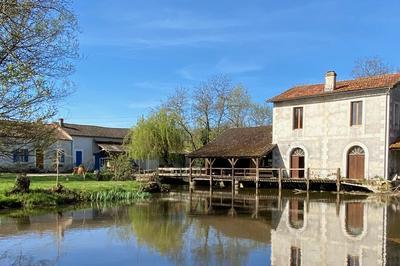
[[349, 125], [77, 145]]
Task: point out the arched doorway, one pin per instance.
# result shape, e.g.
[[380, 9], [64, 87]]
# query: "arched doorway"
[[297, 163], [356, 163]]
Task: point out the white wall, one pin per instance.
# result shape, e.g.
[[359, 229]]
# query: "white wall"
[[7, 163], [50, 156], [327, 135], [86, 145], [323, 239]]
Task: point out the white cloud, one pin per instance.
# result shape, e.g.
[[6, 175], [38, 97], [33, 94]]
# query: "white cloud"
[[237, 66]]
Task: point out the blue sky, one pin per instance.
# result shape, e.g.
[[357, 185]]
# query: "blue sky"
[[134, 53]]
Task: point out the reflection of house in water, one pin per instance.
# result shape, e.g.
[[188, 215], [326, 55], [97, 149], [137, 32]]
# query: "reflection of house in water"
[[354, 234], [318, 231]]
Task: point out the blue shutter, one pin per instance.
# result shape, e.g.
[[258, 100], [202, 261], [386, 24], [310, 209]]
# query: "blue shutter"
[[15, 156], [26, 155]]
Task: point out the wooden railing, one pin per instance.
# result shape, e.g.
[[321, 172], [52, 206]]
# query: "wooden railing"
[[251, 173]]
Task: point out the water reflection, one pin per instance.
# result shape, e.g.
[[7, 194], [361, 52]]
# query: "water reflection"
[[203, 227]]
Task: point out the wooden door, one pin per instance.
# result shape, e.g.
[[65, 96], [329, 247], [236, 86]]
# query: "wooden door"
[[297, 164], [39, 159], [356, 163]]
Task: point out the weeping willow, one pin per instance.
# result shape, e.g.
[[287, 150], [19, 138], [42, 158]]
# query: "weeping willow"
[[157, 136]]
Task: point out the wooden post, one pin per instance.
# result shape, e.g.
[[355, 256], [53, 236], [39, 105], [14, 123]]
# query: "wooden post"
[[308, 179], [211, 162], [257, 172], [338, 180], [280, 179], [190, 172]]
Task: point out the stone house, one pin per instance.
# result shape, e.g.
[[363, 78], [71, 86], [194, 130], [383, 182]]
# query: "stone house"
[[350, 125]]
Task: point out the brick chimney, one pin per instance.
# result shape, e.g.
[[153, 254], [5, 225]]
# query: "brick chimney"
[[330, 81], [61, 122]]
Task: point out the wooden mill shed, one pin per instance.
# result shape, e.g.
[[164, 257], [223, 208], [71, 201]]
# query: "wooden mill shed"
[[237, 148]]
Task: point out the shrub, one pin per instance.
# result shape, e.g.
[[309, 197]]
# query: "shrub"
[[122, 167], [22, 184]]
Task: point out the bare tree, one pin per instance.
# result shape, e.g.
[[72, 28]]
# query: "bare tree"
[[260, 114], [238, 107], [178, 104], [370, 66], [38, 45], [210, 105]]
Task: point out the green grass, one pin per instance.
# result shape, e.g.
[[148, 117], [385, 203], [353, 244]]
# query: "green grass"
[[76, 190]]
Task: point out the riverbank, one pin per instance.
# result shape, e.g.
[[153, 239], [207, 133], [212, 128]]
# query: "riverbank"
[[75, 190]]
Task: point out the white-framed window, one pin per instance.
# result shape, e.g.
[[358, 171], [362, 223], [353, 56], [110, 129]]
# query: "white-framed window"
[[21, 156], [61, 154], [356, 113], [297, 117]]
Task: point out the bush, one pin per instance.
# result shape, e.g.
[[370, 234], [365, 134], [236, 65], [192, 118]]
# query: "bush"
[[22, 184], [122, 167]]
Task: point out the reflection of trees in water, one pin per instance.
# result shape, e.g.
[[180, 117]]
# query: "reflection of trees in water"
[[161, 226], [22, 260], [210, 245], [164, 227]]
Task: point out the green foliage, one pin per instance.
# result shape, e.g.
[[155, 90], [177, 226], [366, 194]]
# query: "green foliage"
[[157, 136], [75, 190], [122, 167]]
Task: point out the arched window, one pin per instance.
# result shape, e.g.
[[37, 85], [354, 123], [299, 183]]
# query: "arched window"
[[296, 213], [356, 163], [297, 163], [354, 218]]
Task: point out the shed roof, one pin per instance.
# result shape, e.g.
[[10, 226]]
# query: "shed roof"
[[94, 131], [247, 142], [111, 147], [375, 82]]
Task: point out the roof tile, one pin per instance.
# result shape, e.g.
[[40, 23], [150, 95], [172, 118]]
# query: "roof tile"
[[382, 81]]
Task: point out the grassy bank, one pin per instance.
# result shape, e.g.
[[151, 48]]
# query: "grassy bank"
[[76, 190]]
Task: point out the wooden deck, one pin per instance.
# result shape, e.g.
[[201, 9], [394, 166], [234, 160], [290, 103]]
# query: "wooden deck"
[[257, 175], [280, 176]]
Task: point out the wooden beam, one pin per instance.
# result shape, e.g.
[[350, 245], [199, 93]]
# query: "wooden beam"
[[338, 177], [256, 162]]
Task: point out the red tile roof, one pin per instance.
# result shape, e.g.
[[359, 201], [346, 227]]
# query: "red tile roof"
[[382, 81]]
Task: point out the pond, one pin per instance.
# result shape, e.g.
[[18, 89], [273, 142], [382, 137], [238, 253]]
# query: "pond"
[[209, 227]]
